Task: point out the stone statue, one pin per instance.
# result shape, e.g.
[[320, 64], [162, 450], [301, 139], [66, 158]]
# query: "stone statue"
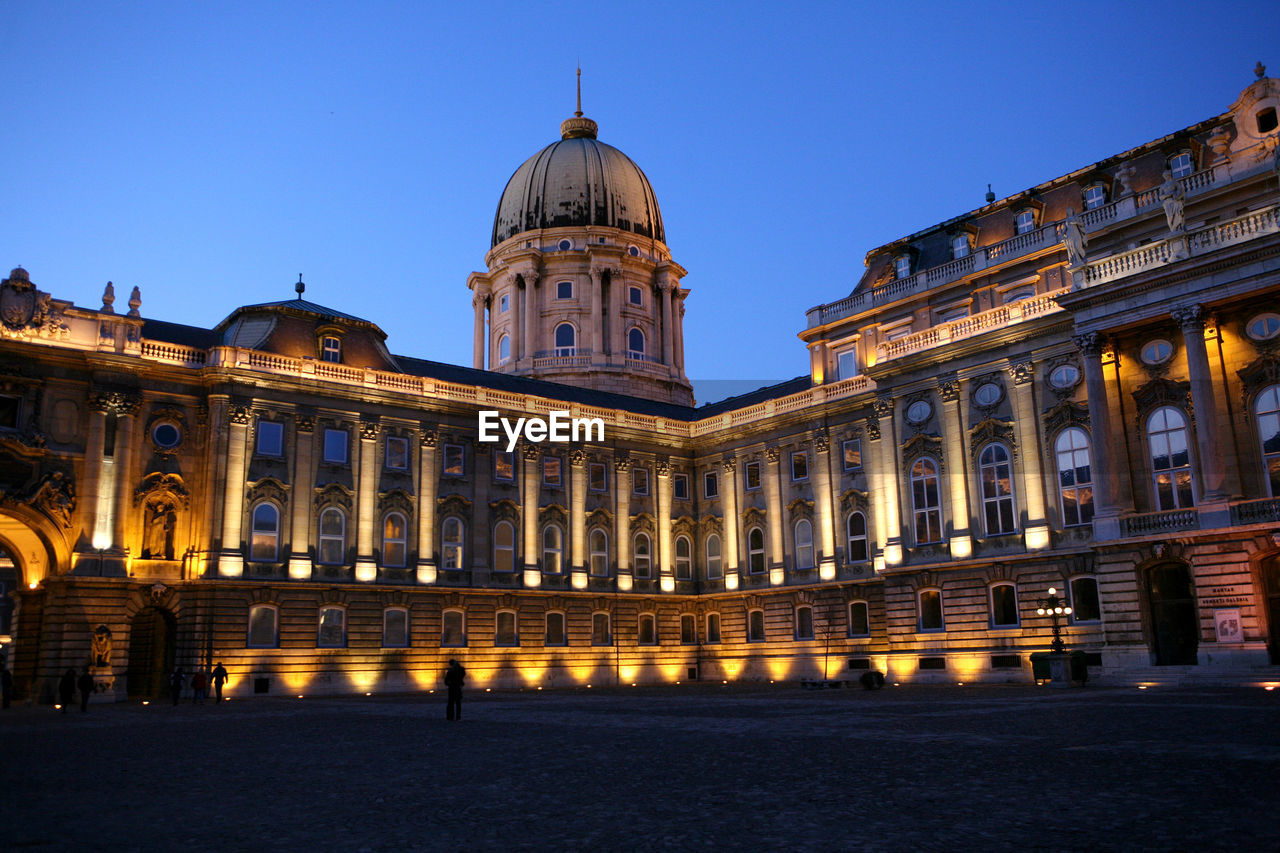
[[101, 646], [160, 528], [1074, 239], [56, 496], [1172, 197]]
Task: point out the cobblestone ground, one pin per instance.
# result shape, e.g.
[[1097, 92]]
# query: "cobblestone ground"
[[690, 767]]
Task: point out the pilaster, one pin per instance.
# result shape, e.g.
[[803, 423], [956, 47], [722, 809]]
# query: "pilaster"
[[428, 478], [231, 557], [367, 502], [529, 514], [1026, 427], [960, 543], [300, 565]]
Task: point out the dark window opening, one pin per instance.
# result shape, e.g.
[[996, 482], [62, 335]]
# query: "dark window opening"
[[1006, 661], [1267, 120], [933, 663]]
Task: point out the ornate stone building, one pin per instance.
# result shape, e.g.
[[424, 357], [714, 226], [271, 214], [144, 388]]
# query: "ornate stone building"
[[1073, 387]]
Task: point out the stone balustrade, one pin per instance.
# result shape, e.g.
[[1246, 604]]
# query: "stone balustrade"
[[1165, 521], [967, 327]]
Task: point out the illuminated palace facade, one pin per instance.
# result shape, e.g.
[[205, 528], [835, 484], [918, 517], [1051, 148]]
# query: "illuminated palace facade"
[[1076, 387]]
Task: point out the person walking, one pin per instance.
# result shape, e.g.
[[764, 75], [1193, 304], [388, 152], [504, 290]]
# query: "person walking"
[[198, 681], [67, 689], [219, 679], [6, 684], [175, 683], [85, 683], [454, 676]]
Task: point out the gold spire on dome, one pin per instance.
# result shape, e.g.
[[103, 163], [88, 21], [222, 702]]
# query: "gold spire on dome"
[[579, 125]]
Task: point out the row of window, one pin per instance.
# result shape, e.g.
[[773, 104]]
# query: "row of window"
[[564, 290], [1004, 609], [565, 340]]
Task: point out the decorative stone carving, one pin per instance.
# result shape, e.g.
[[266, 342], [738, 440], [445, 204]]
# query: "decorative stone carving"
[[577, 458], [531, 452], [1190, 318], [304, 423], [883, 407], [854, 499], [991, 430], [162, 487], [135, 302], [55, 496], [269, 488], [622, 464], [1124, 180], [921, 444], [773, 453], [1067, 413], [800, 508], [1089, 343], [369, 430], [1262, 371], [1163, 392], [949, 389], [333, 494], [1172, 197], [1022, 372], [108, 299], [662, 468], [1074, 239], [873, 429], [239, 415], [822, 442], [100, 651], [428, 438], [115, 403], [730, 465]]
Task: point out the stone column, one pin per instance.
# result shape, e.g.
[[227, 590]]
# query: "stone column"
[[666, 566], [678, 316], [478, 337], [231, 558], [622, 519], [517, 322], [730, 558], [91, 480], [428, 479], [668, 335], [961, 541], [479, 529], [126, 426], [529, 514], [300, 565], [617, 337], [530, 317], [367, 503], [887, 499], [824, 537], [773, 508], [1212, 480], [578, 517], [1106, 510], [1026, 425]]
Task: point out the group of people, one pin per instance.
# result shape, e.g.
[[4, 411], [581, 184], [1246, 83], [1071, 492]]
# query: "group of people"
[[201, 679], [70, 683]]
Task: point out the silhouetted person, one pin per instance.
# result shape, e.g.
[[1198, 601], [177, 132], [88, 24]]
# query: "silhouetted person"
[[67, 689], [454, 676], [85, 683], [175, 683], [198, 681], [219, 679], [6, 684]]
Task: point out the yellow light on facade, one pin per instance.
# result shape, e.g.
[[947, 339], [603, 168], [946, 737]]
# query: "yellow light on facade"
[[33, 585]]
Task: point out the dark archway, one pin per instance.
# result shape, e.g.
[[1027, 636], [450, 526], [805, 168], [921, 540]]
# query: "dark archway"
[[1271, 589], [152, 645], [1175, 622]]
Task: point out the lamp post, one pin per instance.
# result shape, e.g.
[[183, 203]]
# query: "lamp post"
[[1055, 607]]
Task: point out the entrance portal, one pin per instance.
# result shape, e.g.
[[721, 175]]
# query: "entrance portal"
[[1175, 624], [151, 653]]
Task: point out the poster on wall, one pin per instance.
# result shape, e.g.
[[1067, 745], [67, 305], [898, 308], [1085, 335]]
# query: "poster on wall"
[[1227, 624]]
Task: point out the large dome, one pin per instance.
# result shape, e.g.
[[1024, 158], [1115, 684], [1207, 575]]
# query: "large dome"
[[578, 181]]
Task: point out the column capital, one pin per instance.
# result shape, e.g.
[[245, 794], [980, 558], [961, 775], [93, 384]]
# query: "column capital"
[[115, 403], [1090, 344], [238, 415], [428, 438], [729, 464], [773, 454], [949, 388], [531, 452], [883, 407], [873, 429], [662, 468], [1189, 317], [622, 464], [369, 430], [577, 458], [821, 442], [1022, 372]]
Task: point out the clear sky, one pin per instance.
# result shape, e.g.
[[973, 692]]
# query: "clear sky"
[[211, 152]]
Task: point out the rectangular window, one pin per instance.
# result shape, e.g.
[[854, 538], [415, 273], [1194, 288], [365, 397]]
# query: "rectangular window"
[[504, 304], [902, 266], [800, 465], [504, 465], [859, 624], [262, 627], [847, 364], [397, 453], [600, 630], [9, 413], [551, 471], [852, 454], [505, 631], [710, 485], [804, 623], [597, 477], [454, 461], [1181, 165], [1004, 606], [564, 290], [713, 627], [680, 486], [333, 628], [1084, 600], [395, 628], [648, 631], [751, 476], [688, 629], [270, 438], [335, 446], [555, 629], [931, 610], [635, 296], [755, 626], [331, 349], [640, 481], [453, 629], [1094, 196]]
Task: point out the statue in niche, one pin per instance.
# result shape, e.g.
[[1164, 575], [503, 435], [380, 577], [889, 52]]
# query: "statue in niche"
[[161, 522], [101, 654], [1172, 196], [1074, 239]]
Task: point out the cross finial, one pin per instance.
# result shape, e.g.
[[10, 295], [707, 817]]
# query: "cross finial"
[[299, 287], [1260, 70], [578, 113]]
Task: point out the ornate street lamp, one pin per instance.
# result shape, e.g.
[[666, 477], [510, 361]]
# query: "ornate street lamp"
[[1055, 607]]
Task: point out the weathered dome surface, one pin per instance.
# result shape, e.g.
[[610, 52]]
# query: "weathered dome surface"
[[578, 181]]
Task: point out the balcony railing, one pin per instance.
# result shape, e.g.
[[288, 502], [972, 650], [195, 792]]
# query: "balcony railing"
[[967, 327], [1159, 522], [1265, 511]]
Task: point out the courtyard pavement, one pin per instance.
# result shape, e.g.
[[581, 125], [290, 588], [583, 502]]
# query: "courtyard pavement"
[[691, 767]]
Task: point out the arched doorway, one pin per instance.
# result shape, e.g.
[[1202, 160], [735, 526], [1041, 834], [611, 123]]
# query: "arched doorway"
[[151, 652], [1175, 623], [1271, 589]]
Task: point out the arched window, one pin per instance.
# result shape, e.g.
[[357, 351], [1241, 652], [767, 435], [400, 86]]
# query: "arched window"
[[804, 622], [714, 567], [859, 623], [642, 556], [552, 548], [451, 543], [504, 349], [555, 629], [804, 544], [394, 540], [688, 629], [1170, 458], [395, 628], [506, 631], [648, 630], [453, 628], [925, 501], [996, 473], [504, 547], [930, 609], [855, 527], [635, 343], [1075, 479], [264, 627], [566, 339], [1085, 606], [684, 558], [600, 635], [264, 545], [333, 537], [332, 630], [755, 550], [599, 553], [755, 626], [1267, 408], [1004, 605]]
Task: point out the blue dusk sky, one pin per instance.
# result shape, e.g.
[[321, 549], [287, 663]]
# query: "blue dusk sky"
[[210, 152]]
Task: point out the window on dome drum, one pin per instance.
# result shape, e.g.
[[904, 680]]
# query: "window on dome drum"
[[635, 296], [453, 629], [330, 349], [265, 542], [847, 364], [1170, 458], [394, 540], [1085, 606], [504, 465], [551, 471], [995, 471], [552, 548], [454, 460], [270, 438], [714, 571], [1004, 606], [335, 446], [1181, 165], [684, 558], [925, 501], [505, 632], [1263, 327], [713, 627], [1075, 480], [642, 556], [799, 465], [710, 485], [755, 626], [639, 480], [688, 629], [859, 624], [680, 486], [804, 622], [504, 304], [451, 543], [566, 339], [395, 628], [902, 266], [333, 537], [1095, 195], [332, 631], [635, 343], [599, 553], [600, 634], [504, 547], [856, 541], [1267, 410], [804, 544], [504, 349], [1024, 221], [555, 629], [396, 453], [597, 477], [755, 550], [264, 632], [959, 246], [852, 451], [565, 245], [647, 634], [633, 251], [564, 290], [930, 608], [751, 476]]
